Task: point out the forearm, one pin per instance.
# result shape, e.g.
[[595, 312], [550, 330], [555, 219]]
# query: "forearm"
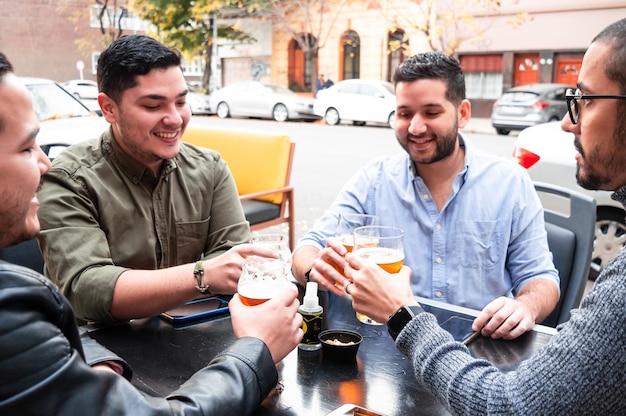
[[144, 293], [540, 296]]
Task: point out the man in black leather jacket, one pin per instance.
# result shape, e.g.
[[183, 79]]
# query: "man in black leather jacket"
[[44, 366]]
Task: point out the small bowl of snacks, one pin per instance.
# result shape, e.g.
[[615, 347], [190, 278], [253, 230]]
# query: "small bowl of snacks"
[[340, 345]]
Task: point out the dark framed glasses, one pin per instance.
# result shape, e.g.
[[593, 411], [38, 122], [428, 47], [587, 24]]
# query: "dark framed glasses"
[[572, 97]]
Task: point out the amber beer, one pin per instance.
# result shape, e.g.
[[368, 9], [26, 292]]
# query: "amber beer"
[[260, 280], [255, 294], [388, 259]]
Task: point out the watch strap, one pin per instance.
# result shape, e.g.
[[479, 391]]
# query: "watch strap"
[[401, 318]]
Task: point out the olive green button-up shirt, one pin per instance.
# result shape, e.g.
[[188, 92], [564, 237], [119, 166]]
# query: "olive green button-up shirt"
[[102, 213]]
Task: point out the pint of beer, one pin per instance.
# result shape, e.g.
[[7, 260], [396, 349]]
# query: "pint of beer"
[[382, 245], [261, 278]]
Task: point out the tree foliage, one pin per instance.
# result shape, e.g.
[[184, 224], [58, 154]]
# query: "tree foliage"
[[187, 25], [449, 23]]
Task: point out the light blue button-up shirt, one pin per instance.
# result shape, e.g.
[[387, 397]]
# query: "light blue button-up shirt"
[[488, 240]]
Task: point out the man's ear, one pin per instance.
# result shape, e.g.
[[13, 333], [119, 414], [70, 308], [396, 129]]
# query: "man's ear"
[[464, 113], [109, 107]]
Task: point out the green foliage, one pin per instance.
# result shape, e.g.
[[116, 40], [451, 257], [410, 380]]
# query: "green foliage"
[[187, 24]]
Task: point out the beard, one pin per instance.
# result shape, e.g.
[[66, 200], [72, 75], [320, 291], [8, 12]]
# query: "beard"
[[444, 147], [598, 171]]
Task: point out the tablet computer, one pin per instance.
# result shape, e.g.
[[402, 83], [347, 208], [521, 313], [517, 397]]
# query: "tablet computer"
[[197, 309], [460, 328]]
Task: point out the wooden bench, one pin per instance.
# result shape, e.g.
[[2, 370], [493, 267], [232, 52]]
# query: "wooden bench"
[[261, 166]]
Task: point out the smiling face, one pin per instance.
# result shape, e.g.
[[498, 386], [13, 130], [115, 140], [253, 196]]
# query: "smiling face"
[[150, 118], [427, 122], [22, 162], [599, 133]]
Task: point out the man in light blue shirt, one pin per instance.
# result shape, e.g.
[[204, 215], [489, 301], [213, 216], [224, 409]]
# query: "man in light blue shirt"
[[475, 234]]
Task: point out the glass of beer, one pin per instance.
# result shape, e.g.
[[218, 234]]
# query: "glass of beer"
[[261, 278], [384, 246], [348, 222], [276, 242]]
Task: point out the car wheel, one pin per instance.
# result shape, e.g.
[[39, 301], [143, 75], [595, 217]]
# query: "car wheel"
[[332, 117], [503, 132], [280, 112], [609, 239], [391, 121], [222, 110], [358, 123]]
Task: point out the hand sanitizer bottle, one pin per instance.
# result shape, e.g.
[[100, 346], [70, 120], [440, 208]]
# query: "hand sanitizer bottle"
[[312, 314]]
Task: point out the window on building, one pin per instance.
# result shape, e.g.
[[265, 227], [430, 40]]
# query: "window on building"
[[111, 16], [298, 72], [194, 67], [398, 45], [351, 55], [483, 76]]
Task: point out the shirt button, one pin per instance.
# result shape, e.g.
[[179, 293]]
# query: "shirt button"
[[426, 196], [439, 226], [439, 294], [438, 260]]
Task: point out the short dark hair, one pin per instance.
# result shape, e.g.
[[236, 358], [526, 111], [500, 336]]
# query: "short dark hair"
[[614, 35], [5, 68], [129, 56], [434, 65]]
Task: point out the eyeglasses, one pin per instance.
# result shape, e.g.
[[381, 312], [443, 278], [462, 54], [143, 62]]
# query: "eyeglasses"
[[572, 98]]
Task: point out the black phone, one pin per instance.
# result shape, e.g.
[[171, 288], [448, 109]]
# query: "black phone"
[[460, 328], [197, 309]]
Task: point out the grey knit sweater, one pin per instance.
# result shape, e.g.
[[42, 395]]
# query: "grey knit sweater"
[[582, 371]]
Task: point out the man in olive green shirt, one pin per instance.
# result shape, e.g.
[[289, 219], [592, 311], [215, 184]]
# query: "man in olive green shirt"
[[127, 218]]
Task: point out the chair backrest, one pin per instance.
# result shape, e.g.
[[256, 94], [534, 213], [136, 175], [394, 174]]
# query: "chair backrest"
[[26, 253], [570, 238], [259, 161]]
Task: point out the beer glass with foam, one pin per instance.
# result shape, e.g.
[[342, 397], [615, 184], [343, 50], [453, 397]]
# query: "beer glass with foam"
[[383, 245], [261, 278]]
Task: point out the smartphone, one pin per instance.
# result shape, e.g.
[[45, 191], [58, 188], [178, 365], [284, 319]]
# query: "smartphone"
[[460, 328], [197, 309]]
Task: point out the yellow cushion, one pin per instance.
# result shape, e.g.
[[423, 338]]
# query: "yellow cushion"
[[257, 160]]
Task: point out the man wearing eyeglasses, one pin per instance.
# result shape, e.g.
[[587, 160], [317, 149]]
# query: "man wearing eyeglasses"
[[582, 370]]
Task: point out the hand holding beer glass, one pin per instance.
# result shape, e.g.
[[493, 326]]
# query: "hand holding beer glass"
[[382, 245], [346, 225], [261, 278]]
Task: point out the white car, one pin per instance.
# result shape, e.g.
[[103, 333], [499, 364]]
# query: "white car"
[[82, 88], [199, 102], [63, 119], [257, 99], [357, 100], [549, 155]]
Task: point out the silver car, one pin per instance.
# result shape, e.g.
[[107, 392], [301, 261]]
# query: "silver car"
[[257, 99], [527, 105], [549, 155]]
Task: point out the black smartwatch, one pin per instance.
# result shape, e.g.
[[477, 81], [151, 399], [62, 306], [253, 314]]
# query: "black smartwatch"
[[403, 316]]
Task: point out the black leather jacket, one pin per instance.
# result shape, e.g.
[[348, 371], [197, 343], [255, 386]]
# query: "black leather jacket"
[[44, 371]]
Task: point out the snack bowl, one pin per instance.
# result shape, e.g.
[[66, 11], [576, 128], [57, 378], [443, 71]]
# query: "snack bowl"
[[340, 345]]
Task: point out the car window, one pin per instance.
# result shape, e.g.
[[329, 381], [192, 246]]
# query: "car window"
[[518, 96], [556, 95], [369, 90], [52, 101], [389, 87], [277, 89], [352, 88]]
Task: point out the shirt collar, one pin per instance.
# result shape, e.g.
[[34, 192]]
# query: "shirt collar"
[[129, 166]]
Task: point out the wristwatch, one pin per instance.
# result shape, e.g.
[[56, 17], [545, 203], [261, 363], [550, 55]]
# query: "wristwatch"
[[403, 316]]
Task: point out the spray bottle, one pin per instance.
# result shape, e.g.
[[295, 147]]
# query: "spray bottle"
[[312, 313]]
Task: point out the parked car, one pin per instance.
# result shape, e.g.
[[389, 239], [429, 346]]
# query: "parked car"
[[357, 100], [257, 99], [199, 102], [549, 155], [527, 105], [63, 119], [82, 88]]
